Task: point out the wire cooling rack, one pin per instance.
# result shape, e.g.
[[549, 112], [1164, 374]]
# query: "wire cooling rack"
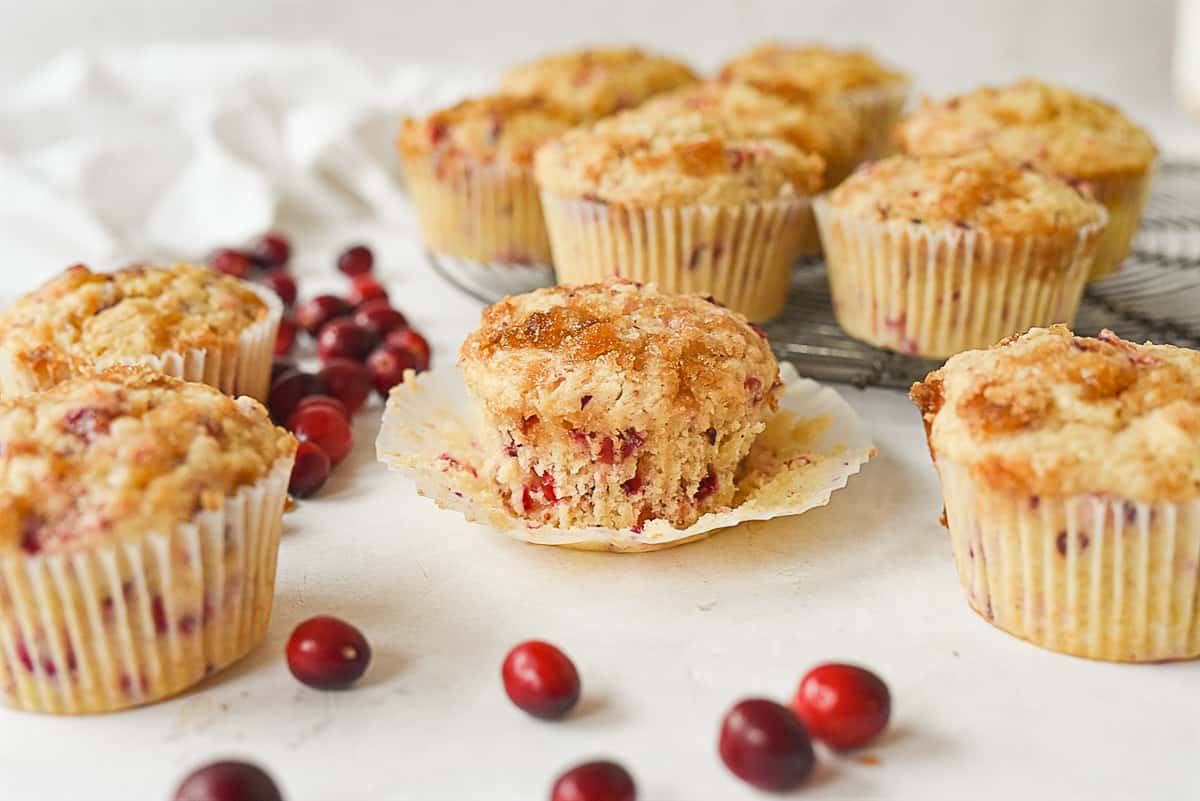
[[1155, 296]]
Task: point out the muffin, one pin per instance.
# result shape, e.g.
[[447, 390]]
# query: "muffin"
[[1079, 139], [614, 404], [599, 82], [876, 93], [1070, 468], [469, 174], [139, 524], [189, 322], [684, 205], [932, 256]]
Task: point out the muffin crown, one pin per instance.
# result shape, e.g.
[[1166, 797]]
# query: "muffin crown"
[[1050, 413], [127, 452], [788, 69], [978, 190], [1056, 129]]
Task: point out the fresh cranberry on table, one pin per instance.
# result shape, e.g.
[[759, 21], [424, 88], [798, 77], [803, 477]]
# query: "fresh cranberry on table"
[[285, 337], [344, 339], [378, 317], [282, 283], [323, 400], [844, 706], [310, 470], [348, 381], [326, 427], [231, 262], [271, 250], [540, 679], [355, 261], [314, 313], [595, 781], [228, 781], [281, 366], [387, 366], [327, 653], [410, 340], [291, 387], [765, 745], [365, 288]]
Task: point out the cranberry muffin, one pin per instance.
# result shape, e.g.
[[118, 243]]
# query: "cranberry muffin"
[[932, 256], [1070, 468], [1077, 138], [614, 404], [139, 522], [190, 322]]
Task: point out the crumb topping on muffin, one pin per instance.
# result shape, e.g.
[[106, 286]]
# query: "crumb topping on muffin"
[[127, 452], [599, 82], [786, 69], [1056, 129], [640, 160], [977, 190], [1057, 414], [505, 129]]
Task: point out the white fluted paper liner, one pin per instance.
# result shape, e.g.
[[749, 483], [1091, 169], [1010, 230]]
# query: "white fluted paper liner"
[[1124, 197], [1093, 576], [98, 629], [242, 368], [431, 433]]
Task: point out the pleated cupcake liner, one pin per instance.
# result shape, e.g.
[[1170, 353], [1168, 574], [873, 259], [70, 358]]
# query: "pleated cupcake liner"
[[103, 628], [432, 433], [1093, 576], [741, 255], [1124, 197], [241, 368], [912, 289]]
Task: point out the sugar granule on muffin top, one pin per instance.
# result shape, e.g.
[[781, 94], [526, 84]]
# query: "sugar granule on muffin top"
[[612, 404]]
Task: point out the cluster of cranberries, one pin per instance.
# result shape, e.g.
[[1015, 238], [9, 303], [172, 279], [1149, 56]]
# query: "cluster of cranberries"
[[363, 344]]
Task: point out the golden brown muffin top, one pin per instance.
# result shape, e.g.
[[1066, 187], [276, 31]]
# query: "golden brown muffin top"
[[1056, 129], [975, 191], [788, 69], [125, 453], [597, 82], [1050, 413]]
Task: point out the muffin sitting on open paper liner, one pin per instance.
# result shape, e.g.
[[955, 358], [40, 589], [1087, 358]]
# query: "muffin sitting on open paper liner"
[[615, 417]]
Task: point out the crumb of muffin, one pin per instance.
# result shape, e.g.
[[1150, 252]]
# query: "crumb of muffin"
[[1055, 414], [790, 69]]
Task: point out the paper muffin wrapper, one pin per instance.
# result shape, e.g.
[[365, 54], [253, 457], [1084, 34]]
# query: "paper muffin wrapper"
[[1092, 576], [99, 629], [741, 255], [879, 109], [432, 431], [912, 289], [241, 368], [1124, 197]]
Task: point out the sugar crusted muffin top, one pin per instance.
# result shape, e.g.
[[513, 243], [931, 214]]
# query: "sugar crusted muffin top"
[[1050, 413], [644, 160], [125, 453], [974, 191], [84, 319], [597, 82], [1056, 129], [786, 69], [499, 128]]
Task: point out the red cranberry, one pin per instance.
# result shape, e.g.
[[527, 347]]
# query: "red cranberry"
[[387, 366], [281, 366], [323, 400], [765, 745], [327, 653], [285, 337], [378, 317], [326, 427], [231, 262], [348, 381], [288, 390], [595, 781], [228, 781], [844, 706], [413, 342], [310, 471], [314, 313], [271, 250], [540, 679], [344, 339], [366, 288], [281, 282], [355, 261]]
